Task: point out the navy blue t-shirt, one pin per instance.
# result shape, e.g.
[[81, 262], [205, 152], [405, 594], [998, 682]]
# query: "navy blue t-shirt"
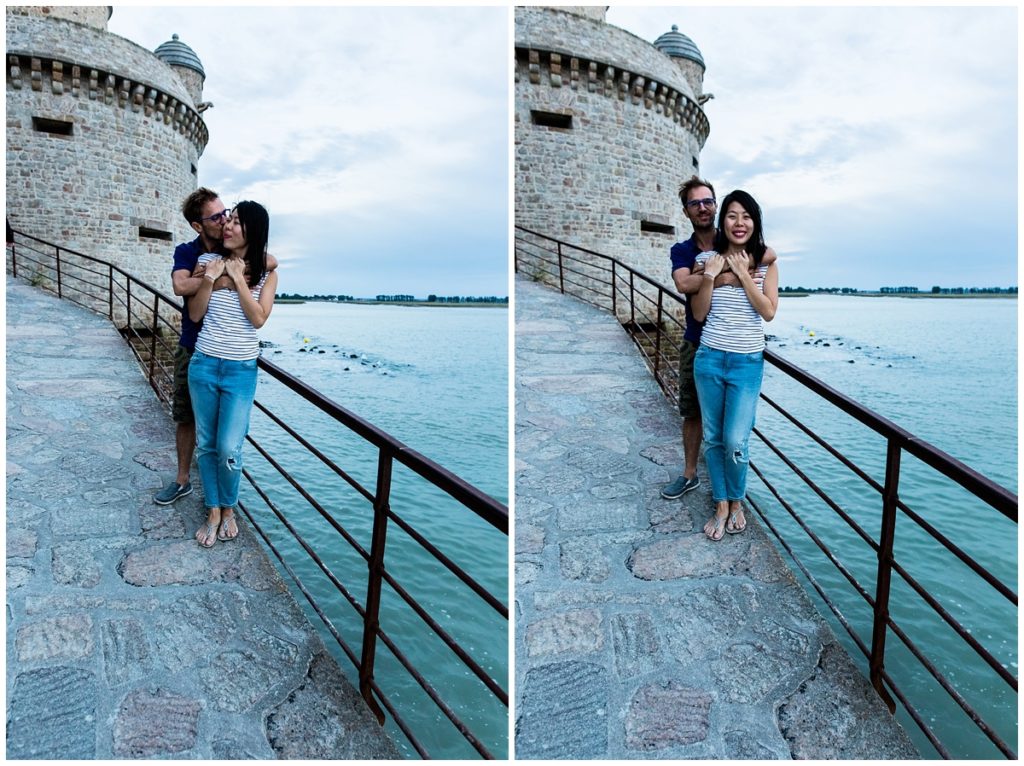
[[684, 256], [186, 256]]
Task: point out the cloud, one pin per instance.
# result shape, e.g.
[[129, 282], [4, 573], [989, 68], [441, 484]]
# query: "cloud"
[[859, 126], [377, 130]]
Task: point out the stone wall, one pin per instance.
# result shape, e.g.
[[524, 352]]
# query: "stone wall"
[[103, 144], [95, 16], [606, 176]]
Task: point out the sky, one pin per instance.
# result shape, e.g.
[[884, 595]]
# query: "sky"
[[880, 142], [377, 138]]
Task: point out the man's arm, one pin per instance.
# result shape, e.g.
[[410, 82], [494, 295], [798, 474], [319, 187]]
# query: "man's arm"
[[186, 282], [687, 283]]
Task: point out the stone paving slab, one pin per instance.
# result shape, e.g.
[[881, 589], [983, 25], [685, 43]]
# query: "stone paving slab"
[[636, 637], [125, 639]]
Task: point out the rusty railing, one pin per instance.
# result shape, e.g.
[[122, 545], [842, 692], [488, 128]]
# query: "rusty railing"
[[653, 314], [150, 322]]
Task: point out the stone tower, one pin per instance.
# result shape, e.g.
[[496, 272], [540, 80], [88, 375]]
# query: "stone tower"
[[103, 137], [607, 126]]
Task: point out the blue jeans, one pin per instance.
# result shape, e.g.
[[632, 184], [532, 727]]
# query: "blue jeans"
[[728, 385], [222, 392]]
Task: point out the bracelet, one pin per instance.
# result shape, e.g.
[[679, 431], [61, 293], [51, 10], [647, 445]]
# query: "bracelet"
[[710, 275], [207, 276]]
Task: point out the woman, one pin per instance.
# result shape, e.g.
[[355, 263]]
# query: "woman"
[[234, 301], [729, 364]]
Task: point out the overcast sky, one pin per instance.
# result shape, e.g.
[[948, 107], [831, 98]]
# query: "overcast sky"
[[376, 137], [880, 142]]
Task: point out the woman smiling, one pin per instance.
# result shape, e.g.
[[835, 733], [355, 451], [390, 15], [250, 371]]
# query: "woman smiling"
[[729, 364]]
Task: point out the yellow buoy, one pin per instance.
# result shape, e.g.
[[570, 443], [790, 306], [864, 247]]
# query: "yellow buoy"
[[811, 333]]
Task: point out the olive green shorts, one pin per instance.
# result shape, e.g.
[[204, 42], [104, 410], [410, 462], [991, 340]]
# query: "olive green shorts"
[[688, 405], [181, 406]]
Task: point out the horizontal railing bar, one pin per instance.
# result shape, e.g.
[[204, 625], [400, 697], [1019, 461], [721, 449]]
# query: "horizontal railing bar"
[[338, 527], [320, 455], [857, 470], [950, 689], [939, 537], [483, 505], [432, 693], [815, 539], [966, 558], [446, 637], [340, 586], [299, 584], [450, 565], [850, 522], [957, 627], [810, 578], [915, 716], [998, 497]]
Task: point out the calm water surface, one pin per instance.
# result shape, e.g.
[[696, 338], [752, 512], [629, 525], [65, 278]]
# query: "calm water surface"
[[436, 379], [945, 370]]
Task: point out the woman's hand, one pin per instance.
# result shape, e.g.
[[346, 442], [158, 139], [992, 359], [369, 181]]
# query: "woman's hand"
[[236, 269], [713, 266], [214, 268], [738, 263]]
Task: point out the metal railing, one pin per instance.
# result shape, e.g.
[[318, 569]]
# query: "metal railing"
[[652, 313], [150, 322]]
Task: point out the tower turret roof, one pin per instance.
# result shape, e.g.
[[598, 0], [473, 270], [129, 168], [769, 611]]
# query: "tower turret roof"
[[176, 53], [678, 45]]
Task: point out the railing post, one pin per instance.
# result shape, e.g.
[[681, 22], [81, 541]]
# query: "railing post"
[[152, 343], [614, 312], [561, 274], [632, 302], [371, 622], [110, 292], [60, 287], [14, 260], [657, 337], [890, 496]]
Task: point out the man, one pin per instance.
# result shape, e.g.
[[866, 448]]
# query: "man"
[[206, 215], [700, 207]]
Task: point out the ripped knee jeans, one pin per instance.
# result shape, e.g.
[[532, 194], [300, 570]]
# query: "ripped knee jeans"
[[222, 392], [728, 385]]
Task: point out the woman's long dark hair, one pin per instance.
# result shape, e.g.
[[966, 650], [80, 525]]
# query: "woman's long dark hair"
[[255, 223], [755, 245]]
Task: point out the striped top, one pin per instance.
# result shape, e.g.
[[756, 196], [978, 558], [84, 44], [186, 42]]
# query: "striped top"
[[732, 323], [226, 332]]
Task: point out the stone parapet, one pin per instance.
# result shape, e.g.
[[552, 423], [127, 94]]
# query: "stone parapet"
[[65, 58]]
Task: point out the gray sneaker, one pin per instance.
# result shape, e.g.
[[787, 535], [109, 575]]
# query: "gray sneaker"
[[172, 492], [679, 487]]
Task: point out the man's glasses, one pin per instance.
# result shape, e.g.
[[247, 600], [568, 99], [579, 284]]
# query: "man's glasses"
[[696, 203], [220, 217]]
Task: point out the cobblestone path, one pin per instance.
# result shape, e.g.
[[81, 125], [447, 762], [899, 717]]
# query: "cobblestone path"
[[637, 637], [125, 639]]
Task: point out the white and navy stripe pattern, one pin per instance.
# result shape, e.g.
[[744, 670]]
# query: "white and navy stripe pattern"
[[732, 323], [227, 332]]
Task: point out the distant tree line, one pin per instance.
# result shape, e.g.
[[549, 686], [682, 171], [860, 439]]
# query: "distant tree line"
[[936, 290], [395, 298], [464, 299], [300, 297], [903, 290]]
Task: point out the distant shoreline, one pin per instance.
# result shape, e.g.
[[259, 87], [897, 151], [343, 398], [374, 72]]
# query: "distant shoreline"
[[465, 304], [804, 294]]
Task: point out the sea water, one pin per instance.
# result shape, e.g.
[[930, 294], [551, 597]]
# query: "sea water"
[[436, 379], [946, 371]]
